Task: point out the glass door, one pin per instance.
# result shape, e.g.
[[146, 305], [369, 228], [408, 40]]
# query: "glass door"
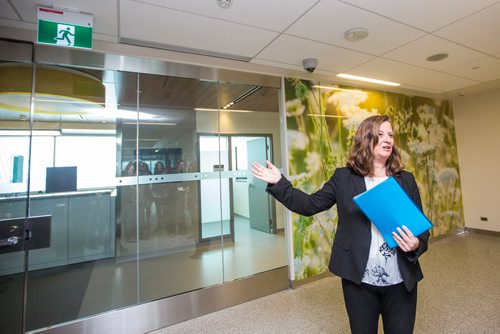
[[66, 170], [73, 179], [15, 114], [137, 175], [164, 141]]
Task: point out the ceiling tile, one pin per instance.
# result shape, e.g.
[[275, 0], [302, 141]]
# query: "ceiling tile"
[[6, 11], [276, 64], [483, 70], [256, 13], [390, 70], [420, 89], [173, 28], [441, 82], [292, 50], [428, 15], [479, 31], [328, 21], [417, 52]]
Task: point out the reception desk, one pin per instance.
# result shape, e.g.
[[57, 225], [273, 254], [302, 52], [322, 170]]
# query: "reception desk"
[[83, 228]]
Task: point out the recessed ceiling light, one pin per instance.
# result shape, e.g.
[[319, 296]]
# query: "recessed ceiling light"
[[224, 3], [356, 34], [437, 57], [377, 81]]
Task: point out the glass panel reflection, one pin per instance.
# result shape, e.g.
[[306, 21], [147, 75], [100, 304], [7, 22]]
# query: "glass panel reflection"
[[157, 197], [252, 124], [173, 255], [15, 95], [73, 180]]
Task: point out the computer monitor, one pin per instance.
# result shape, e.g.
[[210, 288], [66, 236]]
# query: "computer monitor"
[[60, 179]]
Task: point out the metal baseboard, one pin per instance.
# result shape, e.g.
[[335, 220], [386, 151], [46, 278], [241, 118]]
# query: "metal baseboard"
[[481, 231], [165, 312]]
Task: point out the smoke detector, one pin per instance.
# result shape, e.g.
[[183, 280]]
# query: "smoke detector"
[[356, 34], [224, 3]]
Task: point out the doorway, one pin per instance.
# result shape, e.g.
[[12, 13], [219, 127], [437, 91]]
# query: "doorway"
[[128, 233], [228, 197]]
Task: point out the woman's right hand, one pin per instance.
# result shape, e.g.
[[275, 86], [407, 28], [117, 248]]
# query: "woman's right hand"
[[271, 174]]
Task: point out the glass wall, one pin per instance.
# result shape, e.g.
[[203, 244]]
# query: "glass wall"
[[147, 181], [14, 156]]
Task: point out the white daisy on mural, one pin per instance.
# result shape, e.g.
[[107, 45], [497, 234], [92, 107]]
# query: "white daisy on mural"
[[313, 162], [297, 140], [447, 176], [294, 108]]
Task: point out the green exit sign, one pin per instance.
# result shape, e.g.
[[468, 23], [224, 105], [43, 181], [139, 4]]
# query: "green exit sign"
[[63, 28]]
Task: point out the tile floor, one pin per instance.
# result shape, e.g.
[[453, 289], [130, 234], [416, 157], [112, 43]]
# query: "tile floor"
[[459, 294]]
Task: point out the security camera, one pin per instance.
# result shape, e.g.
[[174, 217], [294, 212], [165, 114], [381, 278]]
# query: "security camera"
[[310, 64]]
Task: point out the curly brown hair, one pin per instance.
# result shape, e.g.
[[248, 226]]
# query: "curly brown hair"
[[366, 137]]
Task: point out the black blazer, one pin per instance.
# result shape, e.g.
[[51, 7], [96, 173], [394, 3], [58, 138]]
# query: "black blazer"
[[353, 236]]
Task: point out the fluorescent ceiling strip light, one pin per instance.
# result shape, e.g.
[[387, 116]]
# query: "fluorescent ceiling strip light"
[[70, 101], [227, 110], [337, 88], [149, 123], [27, 133], [355, 77], [123, 114], [88, 131]]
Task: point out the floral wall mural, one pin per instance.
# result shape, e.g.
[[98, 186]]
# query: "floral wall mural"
[[321, 122]]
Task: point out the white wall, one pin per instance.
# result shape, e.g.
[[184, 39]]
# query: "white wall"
[[477, 124]]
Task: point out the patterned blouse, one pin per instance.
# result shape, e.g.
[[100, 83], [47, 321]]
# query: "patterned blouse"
[[382, 268]]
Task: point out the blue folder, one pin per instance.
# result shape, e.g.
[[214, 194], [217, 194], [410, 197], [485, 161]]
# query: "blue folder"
[[388, 206]]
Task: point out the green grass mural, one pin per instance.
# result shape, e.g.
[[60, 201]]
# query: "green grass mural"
[[321, 122]]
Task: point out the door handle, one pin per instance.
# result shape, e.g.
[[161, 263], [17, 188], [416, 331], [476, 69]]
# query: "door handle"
[[9, 242], [24, 234]]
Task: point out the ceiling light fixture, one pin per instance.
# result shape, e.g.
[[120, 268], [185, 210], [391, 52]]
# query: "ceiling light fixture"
[[337, 88], [228, 110], [225, 4], [149, 123], [437, 57], [67, 131], [27, 133], [356, 34], [241, 97], [355, 77]]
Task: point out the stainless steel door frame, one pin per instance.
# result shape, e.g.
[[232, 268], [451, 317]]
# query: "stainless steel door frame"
[[154, 315], [194, 303], [46, 54]]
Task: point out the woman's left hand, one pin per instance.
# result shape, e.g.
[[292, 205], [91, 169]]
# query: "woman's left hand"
[[405, 239]]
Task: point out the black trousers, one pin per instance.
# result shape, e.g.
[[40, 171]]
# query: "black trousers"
[[365, 303]]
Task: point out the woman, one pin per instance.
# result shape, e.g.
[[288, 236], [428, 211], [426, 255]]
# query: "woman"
[[375, 279]]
